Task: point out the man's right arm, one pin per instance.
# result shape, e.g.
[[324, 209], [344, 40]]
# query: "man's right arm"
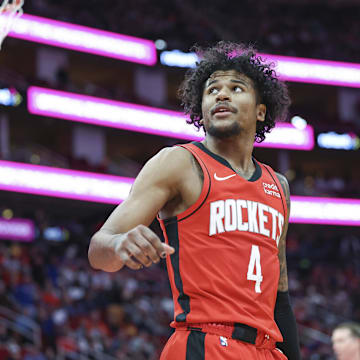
[[125, 238]]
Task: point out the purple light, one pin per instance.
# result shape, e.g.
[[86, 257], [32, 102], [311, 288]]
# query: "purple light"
[[109, 113], [330, 211], [145, 119], [84, 39], [288, 68], [287, 136], [79, 185], [17, 229], [104, 43], [316, 71], [48, 181]]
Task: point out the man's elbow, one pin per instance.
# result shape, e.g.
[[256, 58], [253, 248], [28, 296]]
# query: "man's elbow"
[[92, 256]]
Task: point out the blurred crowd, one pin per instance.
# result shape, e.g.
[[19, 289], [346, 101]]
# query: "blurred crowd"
[[63, 81], [78, 311], [324, 282], [71, 309], [327, 30], [40, 155], [323, 184]]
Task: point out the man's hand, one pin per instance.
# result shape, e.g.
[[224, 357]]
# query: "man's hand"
[[122, 240], [140, 247]]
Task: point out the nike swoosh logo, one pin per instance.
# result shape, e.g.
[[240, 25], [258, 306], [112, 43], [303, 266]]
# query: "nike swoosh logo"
[[223, 178]]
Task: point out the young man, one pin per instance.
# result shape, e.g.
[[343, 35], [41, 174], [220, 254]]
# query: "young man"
[[224, 216], [346, 341]]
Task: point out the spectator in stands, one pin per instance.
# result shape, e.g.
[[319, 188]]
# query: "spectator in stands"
[[346, 341]]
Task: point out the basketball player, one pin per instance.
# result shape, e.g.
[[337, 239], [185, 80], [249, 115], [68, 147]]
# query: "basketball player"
[[346, 341], [224, 216]]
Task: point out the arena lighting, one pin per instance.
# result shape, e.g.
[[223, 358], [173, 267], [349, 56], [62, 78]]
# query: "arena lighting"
[[332, 140], [80, 185], [10, 97], [145, 119], [48, 181], [330, 211], [316, 71], [84, 39], [178, 58], [17, 229], [298, 122], [313, 71], [287, 136]]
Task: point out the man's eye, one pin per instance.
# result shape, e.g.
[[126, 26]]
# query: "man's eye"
[[237, 89], [213, 90]]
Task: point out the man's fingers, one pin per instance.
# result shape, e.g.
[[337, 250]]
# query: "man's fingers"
[[161, 248], [138, 253], [169, 249], [141, 247], [147, 248], [127, 260]]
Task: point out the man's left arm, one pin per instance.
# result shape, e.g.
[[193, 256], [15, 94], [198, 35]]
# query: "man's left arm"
[[284, 315]]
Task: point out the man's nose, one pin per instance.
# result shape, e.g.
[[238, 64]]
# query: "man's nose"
[[223, 95]]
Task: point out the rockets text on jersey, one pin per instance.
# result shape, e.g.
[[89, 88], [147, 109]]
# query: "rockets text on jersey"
[[245, 215]]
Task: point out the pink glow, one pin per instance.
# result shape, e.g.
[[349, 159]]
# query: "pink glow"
[[115, 114], [145, 119], [123, 47], [288, 68], [331, 211], [316, 71], [287, 136], [17, 229], [70, 184], [80, 185], [84, 39]]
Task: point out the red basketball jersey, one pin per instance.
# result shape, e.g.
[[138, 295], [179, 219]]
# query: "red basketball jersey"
[[225, 267]]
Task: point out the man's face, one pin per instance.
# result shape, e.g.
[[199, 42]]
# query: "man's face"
[[229, 104], [345, 345]]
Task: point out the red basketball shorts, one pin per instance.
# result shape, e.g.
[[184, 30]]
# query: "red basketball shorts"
[[197, 345]]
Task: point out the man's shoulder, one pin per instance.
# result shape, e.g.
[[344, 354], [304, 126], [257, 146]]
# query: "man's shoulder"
[[169, 155], [285, 186], [171, 162], [166, 169], [282, 178]]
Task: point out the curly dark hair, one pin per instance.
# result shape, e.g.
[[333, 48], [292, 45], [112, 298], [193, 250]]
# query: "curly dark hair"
[[233, 56]]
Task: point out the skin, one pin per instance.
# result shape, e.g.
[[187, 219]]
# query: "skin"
[[346, 346], [283, 280], [125, 239]]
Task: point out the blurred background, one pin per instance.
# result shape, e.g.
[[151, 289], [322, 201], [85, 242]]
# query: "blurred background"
[[52, 304]]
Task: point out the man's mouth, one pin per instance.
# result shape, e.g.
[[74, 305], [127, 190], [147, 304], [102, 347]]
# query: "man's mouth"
[[222, 109]]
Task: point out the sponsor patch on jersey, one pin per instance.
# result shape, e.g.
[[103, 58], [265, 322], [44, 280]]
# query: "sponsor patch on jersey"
[[223, 341], [271, 189]]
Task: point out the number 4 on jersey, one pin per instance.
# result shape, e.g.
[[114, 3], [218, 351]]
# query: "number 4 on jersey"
[[254, 268]]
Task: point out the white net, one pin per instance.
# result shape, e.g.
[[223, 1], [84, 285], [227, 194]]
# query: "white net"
[[9, 11]]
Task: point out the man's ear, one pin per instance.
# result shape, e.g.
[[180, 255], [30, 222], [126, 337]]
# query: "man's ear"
[[260, 112]]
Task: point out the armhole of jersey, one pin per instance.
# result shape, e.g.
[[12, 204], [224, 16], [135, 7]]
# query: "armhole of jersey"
[[204, 191], [282, 194]]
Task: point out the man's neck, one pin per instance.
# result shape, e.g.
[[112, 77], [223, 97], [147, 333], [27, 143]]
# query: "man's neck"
[[236, 150]]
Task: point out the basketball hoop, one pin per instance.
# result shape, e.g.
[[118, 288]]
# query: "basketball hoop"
[[9, 11]]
